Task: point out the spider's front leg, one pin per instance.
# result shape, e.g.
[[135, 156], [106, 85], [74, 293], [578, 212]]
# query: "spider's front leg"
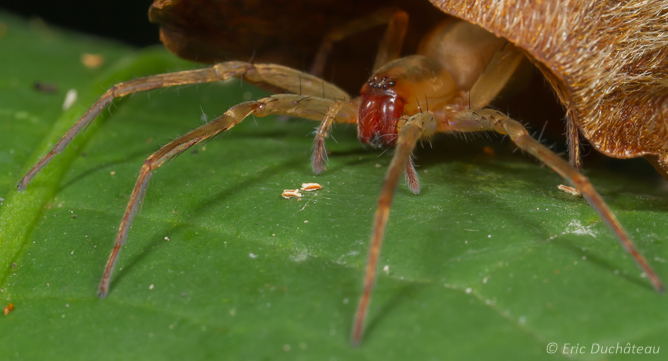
[[271, 75], [283, 104], [411, 130]]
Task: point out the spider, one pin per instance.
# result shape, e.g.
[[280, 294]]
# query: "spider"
[[405, 100]]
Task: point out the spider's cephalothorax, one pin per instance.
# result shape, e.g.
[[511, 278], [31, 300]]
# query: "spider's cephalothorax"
[[401, 87]]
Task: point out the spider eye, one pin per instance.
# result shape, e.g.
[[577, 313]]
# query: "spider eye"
[[388, 84]]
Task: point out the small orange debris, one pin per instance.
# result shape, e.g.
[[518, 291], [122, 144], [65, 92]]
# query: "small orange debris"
[[570, 190], [9, 308], [291, 193], [309, 187], [488, 150], [92, 61]]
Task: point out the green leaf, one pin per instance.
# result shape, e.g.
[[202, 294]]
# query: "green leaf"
[[490, 261]]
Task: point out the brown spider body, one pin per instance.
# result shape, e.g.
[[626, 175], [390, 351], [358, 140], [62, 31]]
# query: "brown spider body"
[[411, 98]]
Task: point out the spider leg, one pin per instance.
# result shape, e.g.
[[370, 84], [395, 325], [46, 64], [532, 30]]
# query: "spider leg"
[[412, 178], [390, 46], [572, 132], [415, 127], [319, 153], [287, 104], [573, 137], [660, 163], [497, 73], [393, 40], [274, 76], [492, 120]]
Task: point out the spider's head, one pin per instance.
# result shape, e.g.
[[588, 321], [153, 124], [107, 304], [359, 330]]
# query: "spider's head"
[[380, 109], [394, 91]]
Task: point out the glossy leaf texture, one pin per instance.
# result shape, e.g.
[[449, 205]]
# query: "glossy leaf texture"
[[490, 261]]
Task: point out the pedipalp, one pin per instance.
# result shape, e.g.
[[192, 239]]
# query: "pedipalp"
[[319, 152]]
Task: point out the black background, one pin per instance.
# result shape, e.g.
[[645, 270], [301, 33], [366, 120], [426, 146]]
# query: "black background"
[[123, 20]]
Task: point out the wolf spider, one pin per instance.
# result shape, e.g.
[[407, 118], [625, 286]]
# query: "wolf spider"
[[405, 100]]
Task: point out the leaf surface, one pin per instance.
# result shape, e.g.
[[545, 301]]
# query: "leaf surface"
[[490, 261]]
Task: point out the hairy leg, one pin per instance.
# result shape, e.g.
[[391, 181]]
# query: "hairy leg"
[[287, 104], [492, 120], [390, 46], [413, 128], [573, 137], [275, 76], [412, 179], [319, 153]]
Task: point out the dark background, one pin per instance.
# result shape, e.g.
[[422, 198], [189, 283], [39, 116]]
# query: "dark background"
[[123, 20]]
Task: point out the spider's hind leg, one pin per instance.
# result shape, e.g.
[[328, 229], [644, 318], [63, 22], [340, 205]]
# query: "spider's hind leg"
[[492, 120]]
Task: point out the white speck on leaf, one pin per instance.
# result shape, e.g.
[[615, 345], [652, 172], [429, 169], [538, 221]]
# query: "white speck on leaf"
[[576, 227], [70, 98], [300, 257]]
